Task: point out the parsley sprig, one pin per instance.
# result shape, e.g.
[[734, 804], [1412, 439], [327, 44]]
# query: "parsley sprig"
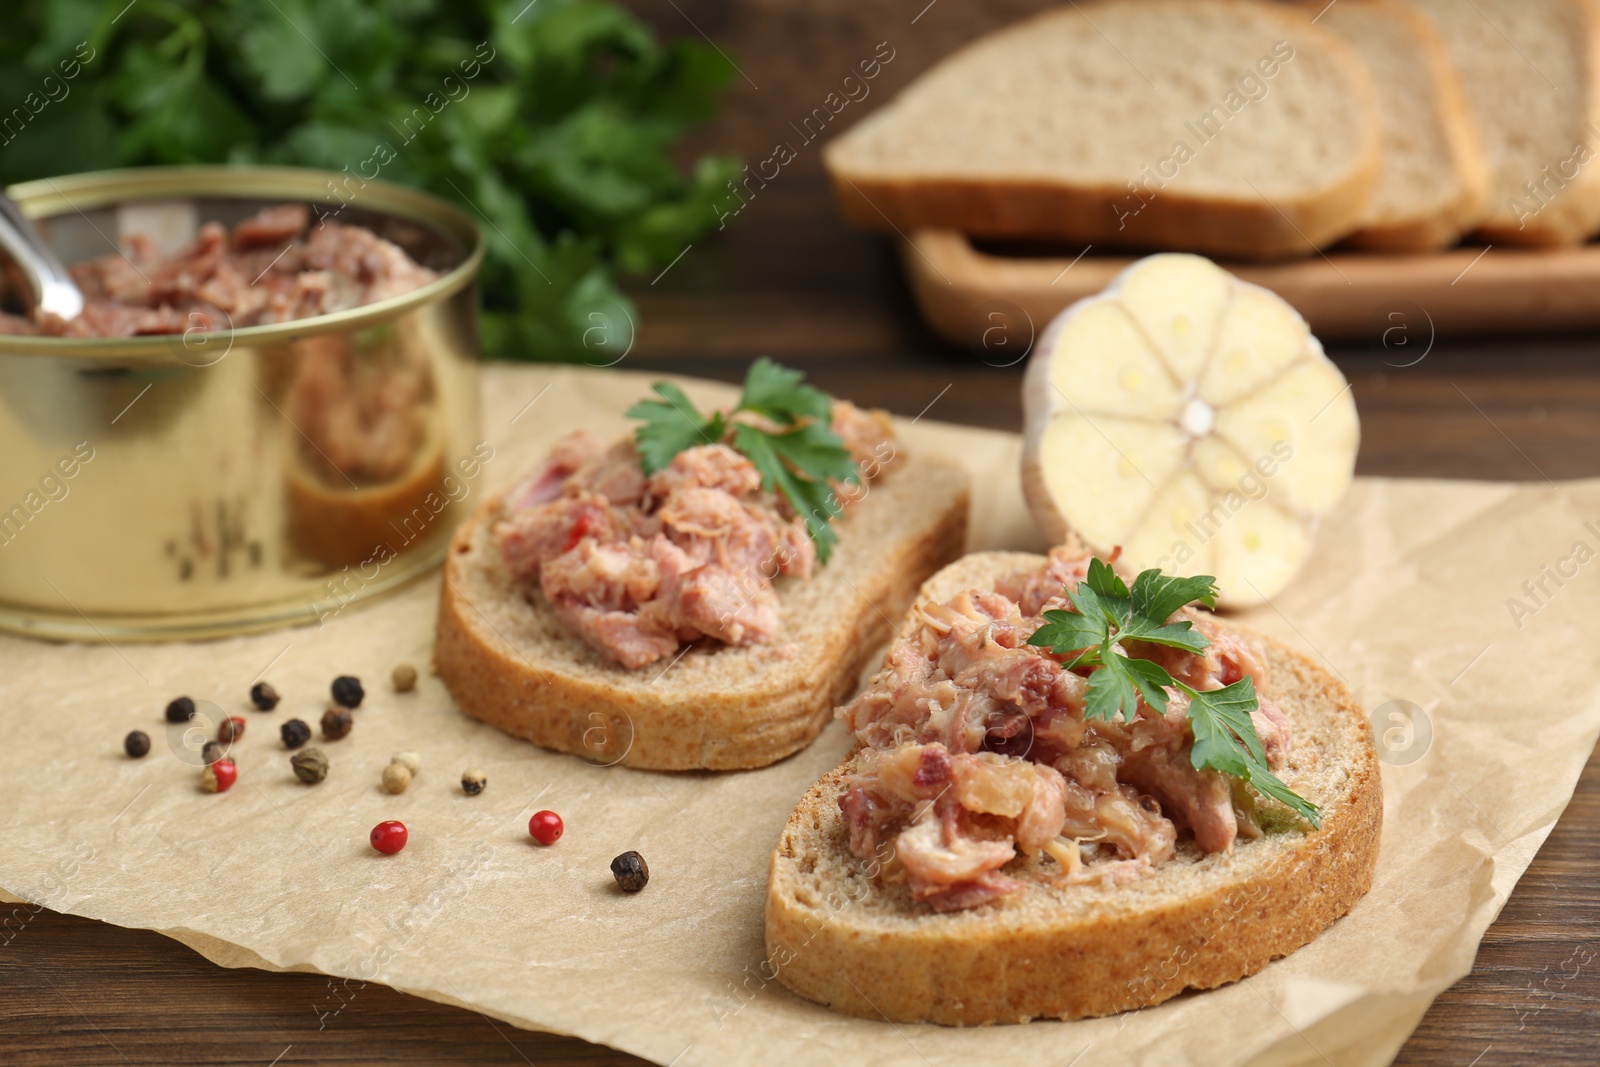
[[1110, 613], [797, 461]]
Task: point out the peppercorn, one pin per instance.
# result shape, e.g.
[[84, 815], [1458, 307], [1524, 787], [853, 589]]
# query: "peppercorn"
[[404, 678], [389, 837], [294, 733], [412, 761], [180, 710], [263, 696], [473, 781], [335, 723], [630, 871], [219, 776], [212, 751], [396, 777], [546, 827], [310, 766], [347, 691], [136, 744], [230, 729]]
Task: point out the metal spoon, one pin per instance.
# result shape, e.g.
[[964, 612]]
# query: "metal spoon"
[[53, 288]]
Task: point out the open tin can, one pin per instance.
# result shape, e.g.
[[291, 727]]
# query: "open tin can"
[[166, 487]]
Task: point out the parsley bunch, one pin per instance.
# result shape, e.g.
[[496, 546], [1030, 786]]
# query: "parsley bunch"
[[797, 462], [1109, 613], [552, 123]]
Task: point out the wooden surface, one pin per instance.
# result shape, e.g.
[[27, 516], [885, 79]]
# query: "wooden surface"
[[964, 288], [787, 280]]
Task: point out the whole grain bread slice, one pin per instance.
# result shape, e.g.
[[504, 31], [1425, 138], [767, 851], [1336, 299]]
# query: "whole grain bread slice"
[[509, 661], [836, 935], [1433, 181], [1227, 127], [1531, 73]]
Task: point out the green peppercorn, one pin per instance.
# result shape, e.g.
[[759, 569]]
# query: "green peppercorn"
[[630, 871], [310, 766], [335, 723], [294, 733], [347, 691], [136, 744], [263, 696], [180, 710]]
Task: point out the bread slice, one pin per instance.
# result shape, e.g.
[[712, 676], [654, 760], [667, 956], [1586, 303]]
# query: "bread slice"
[[1433, 181], [1226, 127], [837, 936], [510, 662], [1529, 71]]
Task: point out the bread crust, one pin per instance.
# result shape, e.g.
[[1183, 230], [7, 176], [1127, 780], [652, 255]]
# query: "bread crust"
[[1467, 160], [1246, 227], [717, 707], [865, 949]]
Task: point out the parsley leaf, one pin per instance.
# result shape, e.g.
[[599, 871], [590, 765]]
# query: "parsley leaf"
[[670, 426], [1225, 740], [1110, 613], [814, 501], [1066, 632], [799, 463], [776, 391], [1111, 690]]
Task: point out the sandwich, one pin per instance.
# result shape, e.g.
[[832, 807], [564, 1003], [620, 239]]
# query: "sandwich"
[[699, 594], [1073, 795]]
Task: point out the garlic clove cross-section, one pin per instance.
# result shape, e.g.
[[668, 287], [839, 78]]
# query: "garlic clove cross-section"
[[1191, 419]]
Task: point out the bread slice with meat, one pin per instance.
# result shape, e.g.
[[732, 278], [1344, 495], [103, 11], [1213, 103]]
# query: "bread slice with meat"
[[509, 661], [1433, 181], [836, 935], [1529, 69], [1227, 127]]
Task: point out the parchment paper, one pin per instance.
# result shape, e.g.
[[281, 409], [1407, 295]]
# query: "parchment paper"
[[1406, 599]]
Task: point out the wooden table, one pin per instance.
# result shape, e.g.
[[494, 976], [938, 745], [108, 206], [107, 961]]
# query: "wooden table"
[[787, 280]]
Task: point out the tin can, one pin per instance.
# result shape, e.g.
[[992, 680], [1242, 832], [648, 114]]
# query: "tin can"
[[166, 487]]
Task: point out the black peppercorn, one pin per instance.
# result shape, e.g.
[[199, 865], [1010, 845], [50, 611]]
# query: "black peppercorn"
[[630, 871], [335, 723], [294, 733], [180, 710], [263, 696], [347, 691], [212, 751], [136, 744]]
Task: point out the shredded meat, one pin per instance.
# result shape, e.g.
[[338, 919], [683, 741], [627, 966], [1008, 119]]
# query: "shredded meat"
[[977, 747], [269, 269], [638, 565]]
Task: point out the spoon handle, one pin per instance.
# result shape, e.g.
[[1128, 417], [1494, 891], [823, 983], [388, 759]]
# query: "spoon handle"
[[54, 290]]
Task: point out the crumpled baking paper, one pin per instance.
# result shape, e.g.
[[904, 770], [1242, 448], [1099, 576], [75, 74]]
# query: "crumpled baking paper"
[[1480, 688]]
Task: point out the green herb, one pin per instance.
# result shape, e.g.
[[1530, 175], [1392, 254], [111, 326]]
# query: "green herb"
[[552, 124], [797, 462], [1109, 613]]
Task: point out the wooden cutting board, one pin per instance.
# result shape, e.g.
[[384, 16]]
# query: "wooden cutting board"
[[998, 301]]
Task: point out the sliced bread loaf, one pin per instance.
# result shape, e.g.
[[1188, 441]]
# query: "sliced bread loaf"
[[1433, 182], [508, 660], [1219, 126], [1529, 68], [837, 935]]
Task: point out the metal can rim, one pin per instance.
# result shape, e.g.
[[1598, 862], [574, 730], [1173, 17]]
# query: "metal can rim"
[[44, 197]]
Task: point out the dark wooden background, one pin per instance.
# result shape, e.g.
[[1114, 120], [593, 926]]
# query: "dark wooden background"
[[787, 280]]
